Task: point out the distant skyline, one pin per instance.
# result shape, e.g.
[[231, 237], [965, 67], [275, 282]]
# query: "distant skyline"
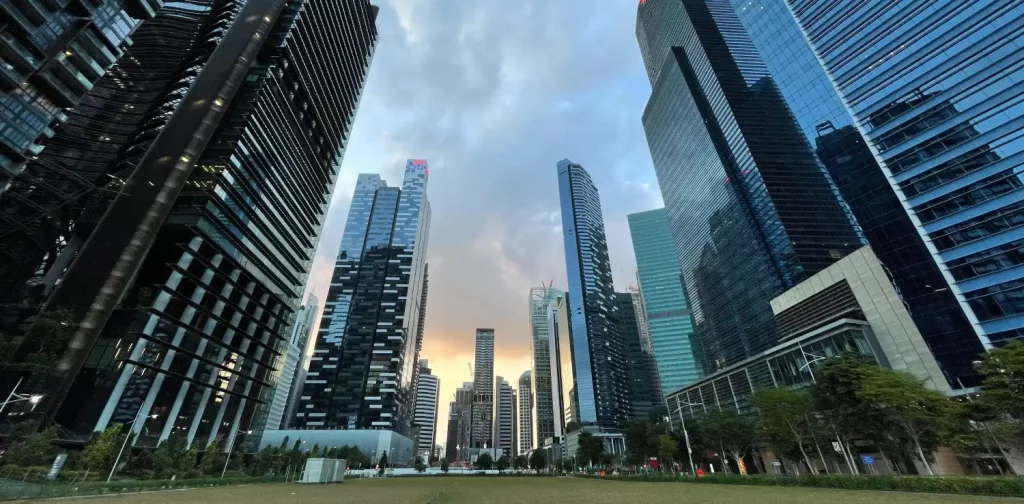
[[521, 93]]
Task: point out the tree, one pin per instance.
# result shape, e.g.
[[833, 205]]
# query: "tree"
[[212, 461], [383, 461], [444, 465], [484, 461], [174, 456], [567, 466], [590, 449], [783, 419], [521, 462], [537, 460], [732, 431], [1002, 389], [918, 410], [502, 463], [573, 426], [100, 452], [641, 441], [49, 337], [419, 466], [30, 448], [315, 452], [667, 447]]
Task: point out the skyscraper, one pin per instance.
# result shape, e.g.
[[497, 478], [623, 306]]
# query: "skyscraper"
[[184, 291], [289, 384], [428, 389], [546, 389], [601, 382], [483, 390], [751, 210], [460, 424], [644, 386], [361, 372], [668, 316], [939, 107], [525, 423], [54, 53], [505, 417], [827, 124]]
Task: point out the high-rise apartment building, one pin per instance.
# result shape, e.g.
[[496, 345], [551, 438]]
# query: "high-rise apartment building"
[[483, 390], [184, 291], [751, 210], [361, 372], [289, 383], [545, 379], [889, 229], [667, 313], [54, 53], [644, 386], [504, 417], [460, 424], [524, 431], [600, 378], [428, 390], [939, 106]]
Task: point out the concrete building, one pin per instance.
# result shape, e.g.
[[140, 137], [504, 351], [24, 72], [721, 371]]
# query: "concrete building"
[[428, 389], [525, 424], [504, 417], [460, 425], [483, 390]]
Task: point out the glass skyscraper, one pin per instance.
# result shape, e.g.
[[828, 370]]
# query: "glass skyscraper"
[[547, 416], [51, 55], [644, 388], [828, 126], [664, 300], [360, 375], [186, 287], [751, 210], [601, 383], [935, 88]]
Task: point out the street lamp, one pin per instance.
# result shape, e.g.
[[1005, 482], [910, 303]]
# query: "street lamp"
[[808, 362], [14, 397], [125, 443], [686, 435], [231, 449]]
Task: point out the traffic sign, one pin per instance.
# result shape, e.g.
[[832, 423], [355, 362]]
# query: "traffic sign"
[[868, 459]]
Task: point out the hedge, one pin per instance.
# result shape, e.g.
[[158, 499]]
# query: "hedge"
[[964, 485], [62, 489]]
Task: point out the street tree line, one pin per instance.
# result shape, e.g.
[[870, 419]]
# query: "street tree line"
[[853, 407]]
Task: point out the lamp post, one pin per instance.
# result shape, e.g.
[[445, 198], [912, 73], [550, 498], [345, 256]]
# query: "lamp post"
[[14, 397], [125, 443], [686, 435], [231, 449]]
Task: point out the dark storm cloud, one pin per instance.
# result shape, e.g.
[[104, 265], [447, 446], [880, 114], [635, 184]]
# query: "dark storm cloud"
[[493, 93]]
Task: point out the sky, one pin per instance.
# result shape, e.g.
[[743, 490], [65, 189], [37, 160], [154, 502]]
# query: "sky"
[[493, 93]]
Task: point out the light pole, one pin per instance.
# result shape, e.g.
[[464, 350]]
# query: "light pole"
[[686, 435], [14, 397], [231, 449], [125, 443]]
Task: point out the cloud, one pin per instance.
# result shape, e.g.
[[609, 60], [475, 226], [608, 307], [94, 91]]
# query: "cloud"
[[493, 93]]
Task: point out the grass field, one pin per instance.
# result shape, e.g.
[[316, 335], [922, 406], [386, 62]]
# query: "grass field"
[[487, 490]]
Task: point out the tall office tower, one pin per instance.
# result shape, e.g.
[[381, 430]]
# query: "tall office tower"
[[183, 293], [663, 296], [53, 54], [361, 372], [421, 326], [53, 205], [289, 383], [525, 423], [939, 106], [483, 389], [601, 381], [893, 235], [504, 417], [546, 388], [751, 209], [460, 424], [644, 387], [428, 389]]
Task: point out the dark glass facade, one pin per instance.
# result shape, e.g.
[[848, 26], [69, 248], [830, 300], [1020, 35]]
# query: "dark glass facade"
[[887, 226], [52, 53], [644, 387], [751, 209], [935, 87], [205, 248], [599, 364], [359, 375]]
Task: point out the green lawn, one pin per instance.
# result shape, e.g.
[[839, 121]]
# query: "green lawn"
[[477, 490]]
